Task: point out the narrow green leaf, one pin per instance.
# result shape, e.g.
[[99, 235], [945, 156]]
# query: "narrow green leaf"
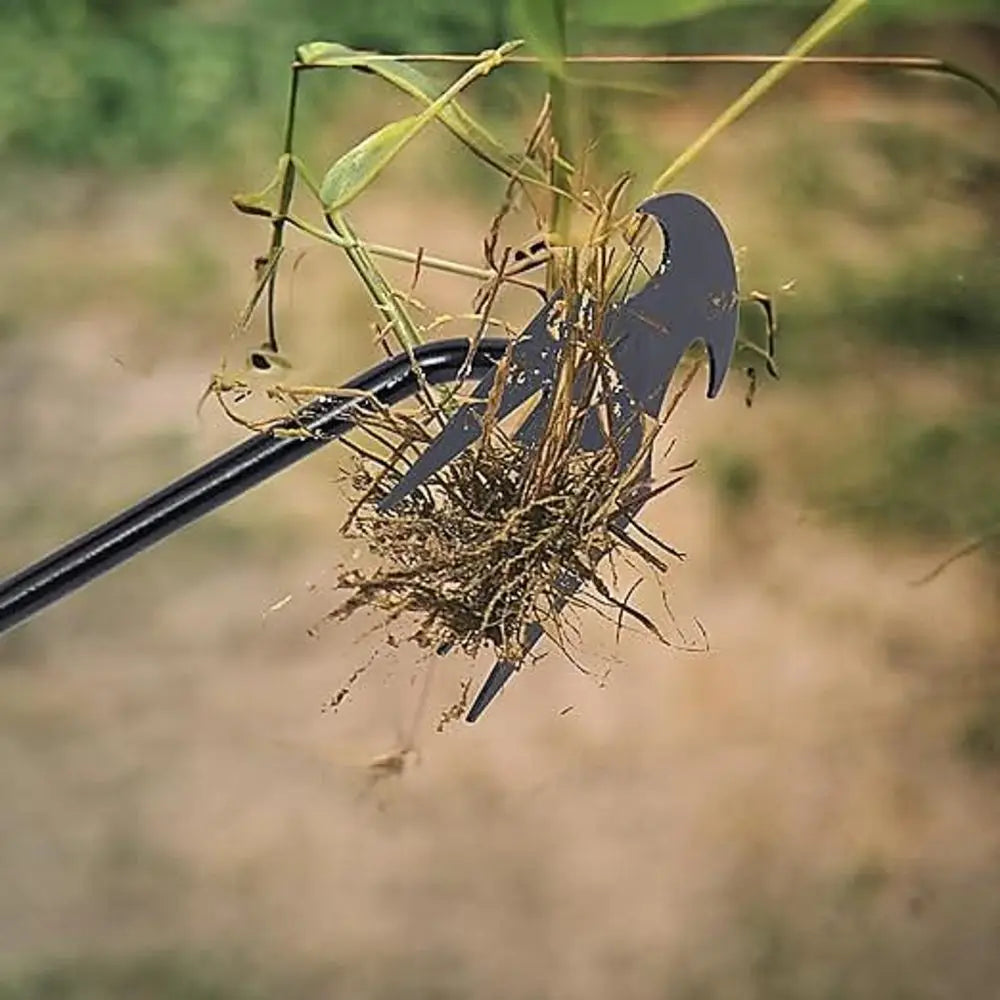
[[414, 83], [256, 204], [828, 22], [359, 166]]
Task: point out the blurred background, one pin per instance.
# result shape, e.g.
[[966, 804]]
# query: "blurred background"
[[809, 809]]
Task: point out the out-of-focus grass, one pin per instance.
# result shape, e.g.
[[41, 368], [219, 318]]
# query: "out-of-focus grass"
[[886, 173], [184, 974], [903, 474], [870, 930], [805, 177], [182, 279], [127, 83], [944, 303], [877, 932], [979, 739], [905, 215], [736, 477], [78, 78], [158, 976], [916, 152], [8, 325], [177, 275], [937, 479]]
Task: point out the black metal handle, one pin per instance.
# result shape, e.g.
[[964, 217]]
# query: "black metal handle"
[[230, 475]]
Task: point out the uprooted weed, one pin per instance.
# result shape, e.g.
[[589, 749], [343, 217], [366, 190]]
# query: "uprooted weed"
[[522, 531], [512, 536]]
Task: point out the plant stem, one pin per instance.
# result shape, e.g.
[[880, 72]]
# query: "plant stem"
[[835, 15], [284, 203], [828, 22], [394, 253], [560, 179], [378, 288]]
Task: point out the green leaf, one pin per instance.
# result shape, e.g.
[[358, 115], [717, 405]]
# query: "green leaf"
[[541, 22], [414, 83], [649, 13], [256, 204], [354, 171], [358, 167], [825, 25]]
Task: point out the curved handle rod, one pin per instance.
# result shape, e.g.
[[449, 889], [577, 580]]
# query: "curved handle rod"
[[232, 474]]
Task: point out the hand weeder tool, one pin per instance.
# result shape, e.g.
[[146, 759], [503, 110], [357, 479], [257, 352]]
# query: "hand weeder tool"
[[691, 297], [233, 473]]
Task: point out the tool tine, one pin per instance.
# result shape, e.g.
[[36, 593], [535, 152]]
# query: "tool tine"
[[532, 363], [502, 672], [568, 584]]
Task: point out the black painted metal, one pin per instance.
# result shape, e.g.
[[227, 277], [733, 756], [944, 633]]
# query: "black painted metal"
[[230, 475]]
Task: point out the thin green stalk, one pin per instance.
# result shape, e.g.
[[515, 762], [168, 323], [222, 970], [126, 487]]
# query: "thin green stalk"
[[825, 25], [284, 203], [378, 288], [385, 301], [831, 19], [561, 135], [394, 253], [357, 253]]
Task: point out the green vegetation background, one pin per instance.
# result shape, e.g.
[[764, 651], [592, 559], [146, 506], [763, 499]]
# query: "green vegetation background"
[[143, 81]]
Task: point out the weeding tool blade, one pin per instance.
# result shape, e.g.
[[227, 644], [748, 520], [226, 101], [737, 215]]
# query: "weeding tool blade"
[[532, 364], [691, 297]]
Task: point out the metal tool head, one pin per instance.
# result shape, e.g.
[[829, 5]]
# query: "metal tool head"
[[690, 297]]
